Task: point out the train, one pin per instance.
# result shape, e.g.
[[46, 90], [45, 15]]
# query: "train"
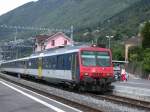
[[80, 67]]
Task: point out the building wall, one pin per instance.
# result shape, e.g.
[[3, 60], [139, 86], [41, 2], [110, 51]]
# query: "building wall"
[[38, 48], [59, 40]]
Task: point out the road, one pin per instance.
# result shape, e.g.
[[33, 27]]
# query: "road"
[[14, 98]]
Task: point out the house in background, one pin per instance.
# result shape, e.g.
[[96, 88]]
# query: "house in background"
[[39, 42], [44, 42], [131, 42]]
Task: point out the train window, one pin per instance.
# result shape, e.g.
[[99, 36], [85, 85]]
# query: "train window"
[[50, 62], [60, 62], [29, 63], [32, 63], [23, 62], [67, 61], [45, 63], [54, 61], [20, 64], [69, 58]]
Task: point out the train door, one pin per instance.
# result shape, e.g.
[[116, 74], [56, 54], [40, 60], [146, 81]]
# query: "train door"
[[75, 67], [40, 67]]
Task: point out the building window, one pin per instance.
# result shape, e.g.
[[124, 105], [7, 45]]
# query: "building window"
[[53, 42], [65, 42]]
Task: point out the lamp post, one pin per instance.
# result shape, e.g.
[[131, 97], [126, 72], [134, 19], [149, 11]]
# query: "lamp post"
[[109, 37]]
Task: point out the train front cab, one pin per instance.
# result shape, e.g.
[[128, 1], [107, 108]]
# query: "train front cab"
[[96, 70]]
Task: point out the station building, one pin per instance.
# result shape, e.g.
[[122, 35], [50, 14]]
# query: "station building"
[[43, 42]]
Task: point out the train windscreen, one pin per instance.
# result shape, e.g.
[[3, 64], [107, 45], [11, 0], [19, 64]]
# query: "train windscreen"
[[95, 58]]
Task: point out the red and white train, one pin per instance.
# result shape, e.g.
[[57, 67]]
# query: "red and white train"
[[85, 67]]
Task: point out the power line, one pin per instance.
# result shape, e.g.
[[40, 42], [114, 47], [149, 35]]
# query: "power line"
[[36, 28], [14, 44]]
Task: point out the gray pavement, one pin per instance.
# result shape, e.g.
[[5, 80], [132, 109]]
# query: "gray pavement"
[[133, 88], [138, 83], [81, 99], [17, 99]]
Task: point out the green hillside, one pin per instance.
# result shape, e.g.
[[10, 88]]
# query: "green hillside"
[[127, 22], [61, 14]]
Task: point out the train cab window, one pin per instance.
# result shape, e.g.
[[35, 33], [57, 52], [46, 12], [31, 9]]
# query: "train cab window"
[[88, 58], [95, 58], [103, 59]]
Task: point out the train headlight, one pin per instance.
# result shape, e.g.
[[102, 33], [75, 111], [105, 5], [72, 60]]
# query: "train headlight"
[[86, 74], [108, 74]]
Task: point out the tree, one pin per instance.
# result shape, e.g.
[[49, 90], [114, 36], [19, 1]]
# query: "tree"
[[145, 32], [135, 54], [118, 52], [146, 60]]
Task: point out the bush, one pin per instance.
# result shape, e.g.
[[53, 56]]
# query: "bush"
[[118, 52], [146, 60], [146, 35]]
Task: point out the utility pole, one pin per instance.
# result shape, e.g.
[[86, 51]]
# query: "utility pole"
[[71, 35], [16, 33], [71, 32], [109, 38]]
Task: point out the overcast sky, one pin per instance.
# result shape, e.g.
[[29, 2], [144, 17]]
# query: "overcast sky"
[[7, 5]]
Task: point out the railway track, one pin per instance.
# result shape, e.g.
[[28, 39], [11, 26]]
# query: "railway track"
[[138, 104], [128, 102], [82, 107], [132, 102]]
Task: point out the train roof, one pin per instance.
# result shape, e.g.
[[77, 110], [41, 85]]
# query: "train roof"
[[64, 50], [52, 51], [57, 51]]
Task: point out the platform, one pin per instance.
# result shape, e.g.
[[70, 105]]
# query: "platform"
[[133, 88], [14, 98], [74, 97]]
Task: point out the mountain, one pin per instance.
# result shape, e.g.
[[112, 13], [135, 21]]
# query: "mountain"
[[61, 14], [128, 21]]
